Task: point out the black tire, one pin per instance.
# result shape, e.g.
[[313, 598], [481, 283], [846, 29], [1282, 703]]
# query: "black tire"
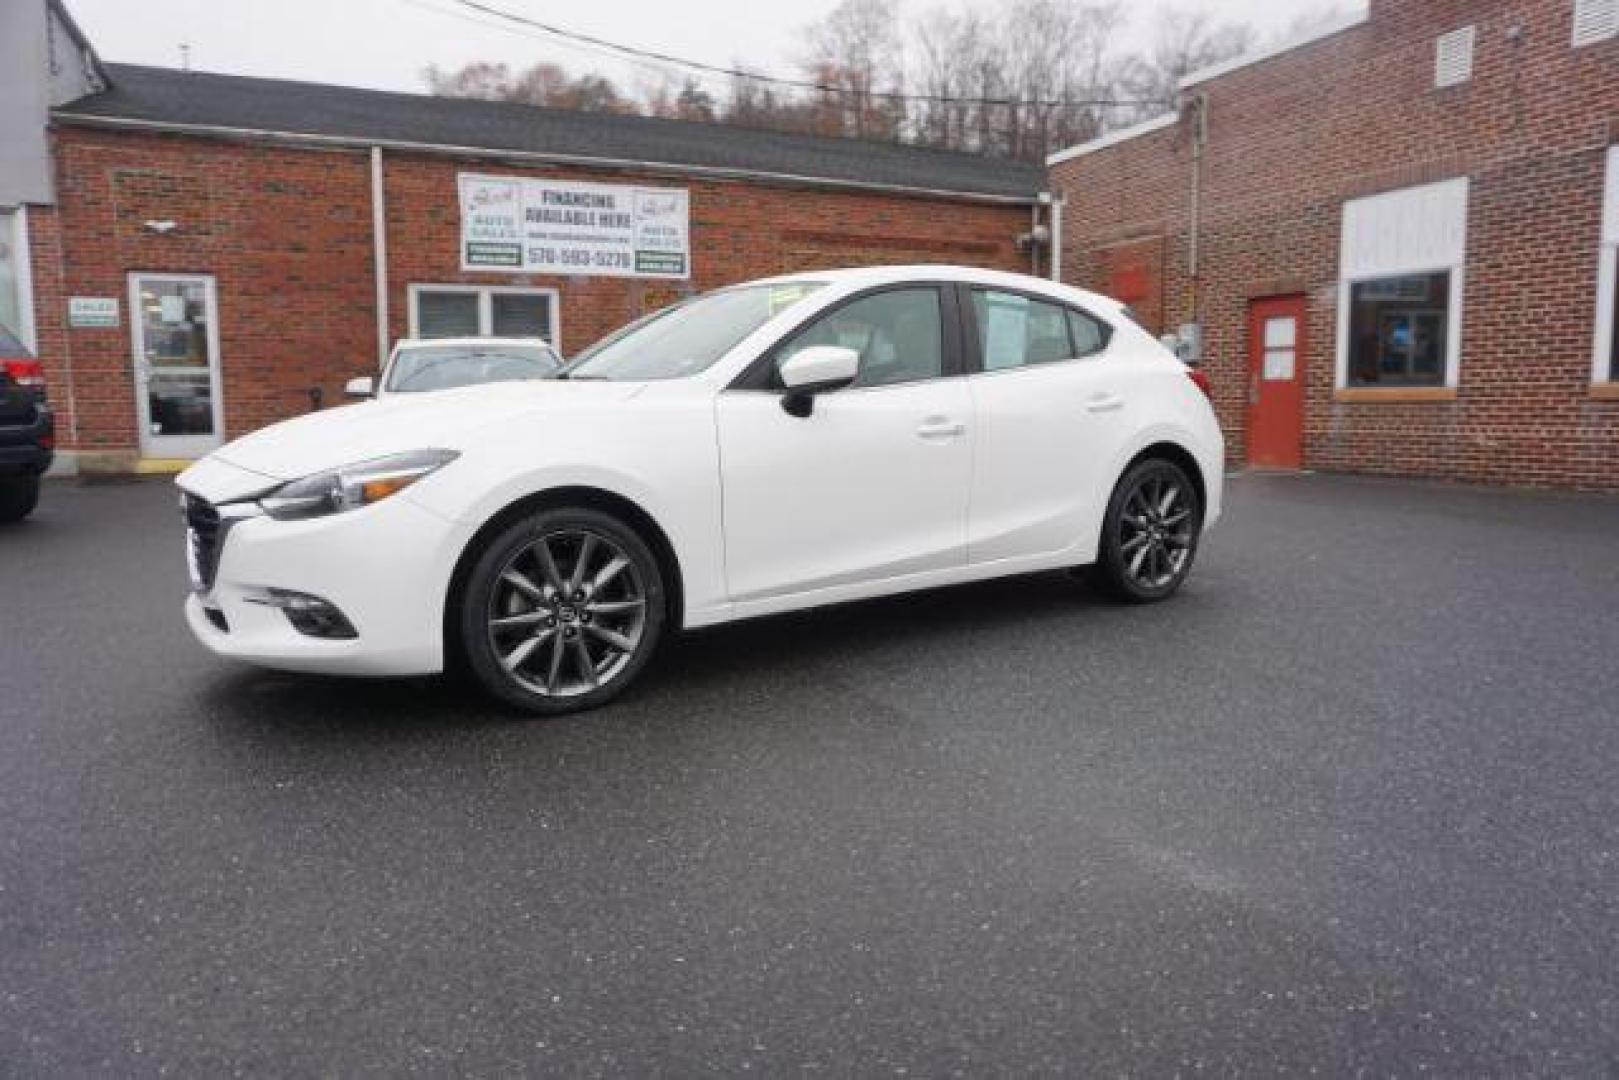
[[540, 664], [1147, 553], [18, 497]]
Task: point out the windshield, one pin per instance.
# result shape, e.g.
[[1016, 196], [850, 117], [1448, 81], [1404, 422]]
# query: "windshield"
[[689, 337], [440, 367]]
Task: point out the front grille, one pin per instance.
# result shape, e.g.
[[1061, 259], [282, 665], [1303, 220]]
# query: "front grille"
[[204, 531]]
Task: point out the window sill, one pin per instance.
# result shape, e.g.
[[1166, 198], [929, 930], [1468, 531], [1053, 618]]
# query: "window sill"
[[1394, 394], [1607, 391]]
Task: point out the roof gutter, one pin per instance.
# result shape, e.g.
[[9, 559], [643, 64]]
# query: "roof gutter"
[[527, 156]]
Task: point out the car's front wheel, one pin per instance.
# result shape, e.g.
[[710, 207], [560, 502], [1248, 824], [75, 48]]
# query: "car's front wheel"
[[1150, 535], [562, 610]]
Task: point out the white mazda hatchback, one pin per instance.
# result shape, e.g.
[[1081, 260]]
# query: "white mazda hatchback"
[[799, 441]]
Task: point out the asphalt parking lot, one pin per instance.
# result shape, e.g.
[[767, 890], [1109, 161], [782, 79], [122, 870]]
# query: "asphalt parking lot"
[[1348, 803]]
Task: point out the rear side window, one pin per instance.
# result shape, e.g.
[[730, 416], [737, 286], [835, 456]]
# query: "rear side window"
[[1019, 331], [1090, 335]]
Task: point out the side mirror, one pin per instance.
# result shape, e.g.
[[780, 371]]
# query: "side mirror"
[[363, 387], [818, 369]]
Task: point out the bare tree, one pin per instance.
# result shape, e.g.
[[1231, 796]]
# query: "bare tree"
[[1011, 78], [1056, 53], [1186, 40], [756, 103], [542, 84], [686, 100], [1312, 19], [1044, 65], [956, 56], [481, 80], [857, 51]]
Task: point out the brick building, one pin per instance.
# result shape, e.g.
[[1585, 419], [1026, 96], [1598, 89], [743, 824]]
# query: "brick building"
[[206, 254], [1395, 241]]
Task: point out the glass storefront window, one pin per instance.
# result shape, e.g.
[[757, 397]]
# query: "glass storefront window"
[[1398, 329]]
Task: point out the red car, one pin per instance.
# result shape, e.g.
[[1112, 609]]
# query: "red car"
[[27, 429]]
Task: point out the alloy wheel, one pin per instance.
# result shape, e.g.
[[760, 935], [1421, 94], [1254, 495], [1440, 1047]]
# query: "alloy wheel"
[[1157, 530], [567, 613]]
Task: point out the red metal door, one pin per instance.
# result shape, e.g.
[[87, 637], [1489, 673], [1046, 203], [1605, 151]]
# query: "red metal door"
[[1276, 366]]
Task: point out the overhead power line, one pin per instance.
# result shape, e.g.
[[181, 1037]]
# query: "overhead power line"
[[514, 20]]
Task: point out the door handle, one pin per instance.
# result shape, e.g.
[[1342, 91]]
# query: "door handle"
[[940, 427], [1105, 403]]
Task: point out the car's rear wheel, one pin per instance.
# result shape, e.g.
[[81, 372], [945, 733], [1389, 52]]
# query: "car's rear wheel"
[[18, 496], [1150, 535], [562, 610]]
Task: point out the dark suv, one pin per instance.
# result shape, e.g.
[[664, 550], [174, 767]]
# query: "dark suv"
[[27, 430]]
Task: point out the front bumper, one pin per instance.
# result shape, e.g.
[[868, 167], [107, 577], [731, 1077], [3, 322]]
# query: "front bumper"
[[387, 567]]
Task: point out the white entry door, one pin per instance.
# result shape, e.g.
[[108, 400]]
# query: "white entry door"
[[174, 321]]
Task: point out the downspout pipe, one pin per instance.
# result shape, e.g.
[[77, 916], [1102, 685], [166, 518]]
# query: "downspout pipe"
[[1056, 238], [379, 254], [1198, 106], [1034, 235]]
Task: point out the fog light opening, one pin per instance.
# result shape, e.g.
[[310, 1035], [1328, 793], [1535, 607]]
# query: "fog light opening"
[[310, 615]]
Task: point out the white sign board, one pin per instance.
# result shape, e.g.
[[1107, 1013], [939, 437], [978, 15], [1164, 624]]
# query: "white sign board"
[[92, 311], [550, 227]]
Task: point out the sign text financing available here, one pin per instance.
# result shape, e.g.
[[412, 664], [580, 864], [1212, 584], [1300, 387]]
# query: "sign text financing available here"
[[552, 227]]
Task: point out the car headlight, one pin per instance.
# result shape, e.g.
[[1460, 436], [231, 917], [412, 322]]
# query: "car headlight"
[[353, 486]]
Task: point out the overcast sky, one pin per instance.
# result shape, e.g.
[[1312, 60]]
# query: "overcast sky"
[[386, 43]]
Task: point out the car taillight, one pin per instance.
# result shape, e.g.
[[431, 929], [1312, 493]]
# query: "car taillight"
[[1201, 377], [29, 373]]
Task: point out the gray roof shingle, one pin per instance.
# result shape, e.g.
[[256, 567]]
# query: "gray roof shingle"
[[168, 96]]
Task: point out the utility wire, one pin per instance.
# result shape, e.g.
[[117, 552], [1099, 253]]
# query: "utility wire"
[[512, 19]]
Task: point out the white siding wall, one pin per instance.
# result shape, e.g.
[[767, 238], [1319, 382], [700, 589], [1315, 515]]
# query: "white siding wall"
[[25, 175]]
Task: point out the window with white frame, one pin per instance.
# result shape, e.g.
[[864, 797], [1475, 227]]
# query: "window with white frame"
[[1400, 287], [441, 311], [1605, 363], [11, 268]]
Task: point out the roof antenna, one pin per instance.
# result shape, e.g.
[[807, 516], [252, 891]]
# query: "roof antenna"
[[185, 56]]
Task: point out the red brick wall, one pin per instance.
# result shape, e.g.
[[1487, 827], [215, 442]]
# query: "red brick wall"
[[287, 233], [1291, 139]]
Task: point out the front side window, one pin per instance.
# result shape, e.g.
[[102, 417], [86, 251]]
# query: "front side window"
[[1399, 330], [898, 334], [439, 367], [689, 337], [1018, 331]]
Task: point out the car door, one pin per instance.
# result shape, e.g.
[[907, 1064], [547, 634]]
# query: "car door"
[[872, 485], [1051, 413]]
